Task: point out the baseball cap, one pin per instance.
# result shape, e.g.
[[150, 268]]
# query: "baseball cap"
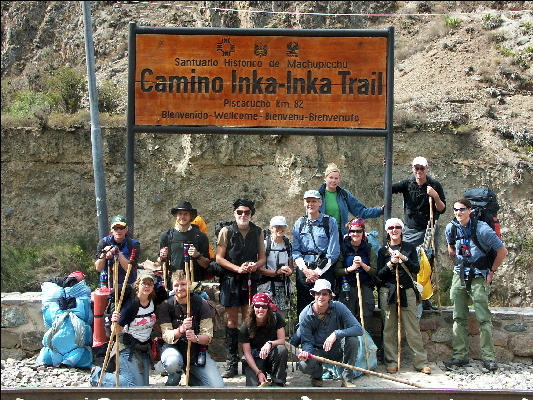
[[312, 193], [321, 284], [278, 220], [420, 161], [119, 220], [143, 274]]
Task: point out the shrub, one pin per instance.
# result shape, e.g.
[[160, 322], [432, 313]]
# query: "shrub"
[[28, 103], [25, 268], [108, 97], [451, 22], [66, 88], [490, 22]]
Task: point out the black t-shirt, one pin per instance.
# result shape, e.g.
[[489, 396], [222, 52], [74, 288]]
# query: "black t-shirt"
[[262, 334], [194, 236], [416, 201]]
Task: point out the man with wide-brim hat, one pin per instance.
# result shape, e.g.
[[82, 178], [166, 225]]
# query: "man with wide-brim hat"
[[327, 329], [118, 243], [171, 242]]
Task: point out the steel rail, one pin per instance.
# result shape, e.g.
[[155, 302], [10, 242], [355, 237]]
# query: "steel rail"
[[266, 393]]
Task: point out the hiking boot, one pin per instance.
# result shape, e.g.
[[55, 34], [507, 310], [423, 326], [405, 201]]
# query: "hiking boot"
[[426, 305], [317, 382], [455, 362], [230, 370], [173, 379], [425, 370], [347, 384], [392, 369], [490, 365]]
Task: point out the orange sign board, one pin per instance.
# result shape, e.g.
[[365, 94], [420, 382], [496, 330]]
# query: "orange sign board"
[[260, 81]]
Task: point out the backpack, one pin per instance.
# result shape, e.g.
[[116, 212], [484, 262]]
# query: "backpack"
[[129, 293], [267, 234], [484, 207], [325, 225], [219, 225]]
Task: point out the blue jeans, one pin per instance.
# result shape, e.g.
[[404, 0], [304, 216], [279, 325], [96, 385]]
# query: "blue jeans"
[[173, 362], [129, 373]]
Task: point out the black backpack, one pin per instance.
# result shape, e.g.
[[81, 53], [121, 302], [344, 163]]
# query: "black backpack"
[[484, 208], [129, 293], [325, 225]]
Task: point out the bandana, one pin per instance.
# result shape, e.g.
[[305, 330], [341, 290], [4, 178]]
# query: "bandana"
[[264, 298], [245, 203], [357, 222]]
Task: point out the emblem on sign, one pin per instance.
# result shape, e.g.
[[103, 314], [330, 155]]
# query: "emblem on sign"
[[292, 49], [225, 46], [260, 49]]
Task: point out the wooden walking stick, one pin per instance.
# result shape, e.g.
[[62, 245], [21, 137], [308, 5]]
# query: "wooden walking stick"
[[187, 274], [354, 368], [114, 330], [165, 272], [116, 266], [434, 252], [362, 317], [399, 317]]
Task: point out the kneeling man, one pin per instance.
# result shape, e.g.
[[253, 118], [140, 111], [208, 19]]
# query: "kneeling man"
[[178, 330], [327, 329]]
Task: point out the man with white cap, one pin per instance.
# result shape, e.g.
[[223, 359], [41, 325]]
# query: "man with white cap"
[[327, 329], [315, 240], [416, 192]]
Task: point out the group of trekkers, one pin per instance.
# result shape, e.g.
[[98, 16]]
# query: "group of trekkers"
[[330, 255]]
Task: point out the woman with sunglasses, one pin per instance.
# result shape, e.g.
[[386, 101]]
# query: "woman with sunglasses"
[[400, 255], [357, 257], [134, 322], [263, 343]]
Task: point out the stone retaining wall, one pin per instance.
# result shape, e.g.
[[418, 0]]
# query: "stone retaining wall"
[[23, 330]]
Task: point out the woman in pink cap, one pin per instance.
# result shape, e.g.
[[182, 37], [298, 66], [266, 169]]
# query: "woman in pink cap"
[[263, 343]]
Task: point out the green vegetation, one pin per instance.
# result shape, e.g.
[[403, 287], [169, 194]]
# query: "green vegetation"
[[66, 88], [451, 22], [24, 268], [492, 22], [108, 97]]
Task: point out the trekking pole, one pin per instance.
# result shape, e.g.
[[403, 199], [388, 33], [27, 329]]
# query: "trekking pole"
[[165, 272], [191, 267], [294, 350], [399, 317], [187, 274], [434, 252], [109, 261], [249, 289], [114, 332], [116, 266], [362, 317]]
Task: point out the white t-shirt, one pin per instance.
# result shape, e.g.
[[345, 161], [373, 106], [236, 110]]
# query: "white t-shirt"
[[276, 258], [141, 327]]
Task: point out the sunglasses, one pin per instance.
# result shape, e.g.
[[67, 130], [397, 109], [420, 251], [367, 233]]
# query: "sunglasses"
[[240, 212], [419, 168], [356, 231], [390, 228], [323, 294], [462, 209], [263, 306], [119, 228]]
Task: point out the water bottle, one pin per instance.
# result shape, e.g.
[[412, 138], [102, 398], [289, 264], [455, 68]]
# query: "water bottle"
[[345, 285], [103, 278], [200, 362]]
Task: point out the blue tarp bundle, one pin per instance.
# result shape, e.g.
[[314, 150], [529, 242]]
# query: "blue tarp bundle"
[[68, 317]]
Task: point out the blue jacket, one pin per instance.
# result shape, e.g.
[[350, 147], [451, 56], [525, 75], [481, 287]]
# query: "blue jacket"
[[302, 243], [348, 202], [339, 319]]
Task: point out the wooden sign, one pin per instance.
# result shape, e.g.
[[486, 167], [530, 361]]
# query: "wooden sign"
[[228, 80]]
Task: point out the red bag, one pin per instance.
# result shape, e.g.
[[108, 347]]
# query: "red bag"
[[157, 344]]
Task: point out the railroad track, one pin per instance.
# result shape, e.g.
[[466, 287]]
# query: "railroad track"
[[268, 393]]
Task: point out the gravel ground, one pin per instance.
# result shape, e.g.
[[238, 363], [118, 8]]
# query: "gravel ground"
[[28, 373]]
